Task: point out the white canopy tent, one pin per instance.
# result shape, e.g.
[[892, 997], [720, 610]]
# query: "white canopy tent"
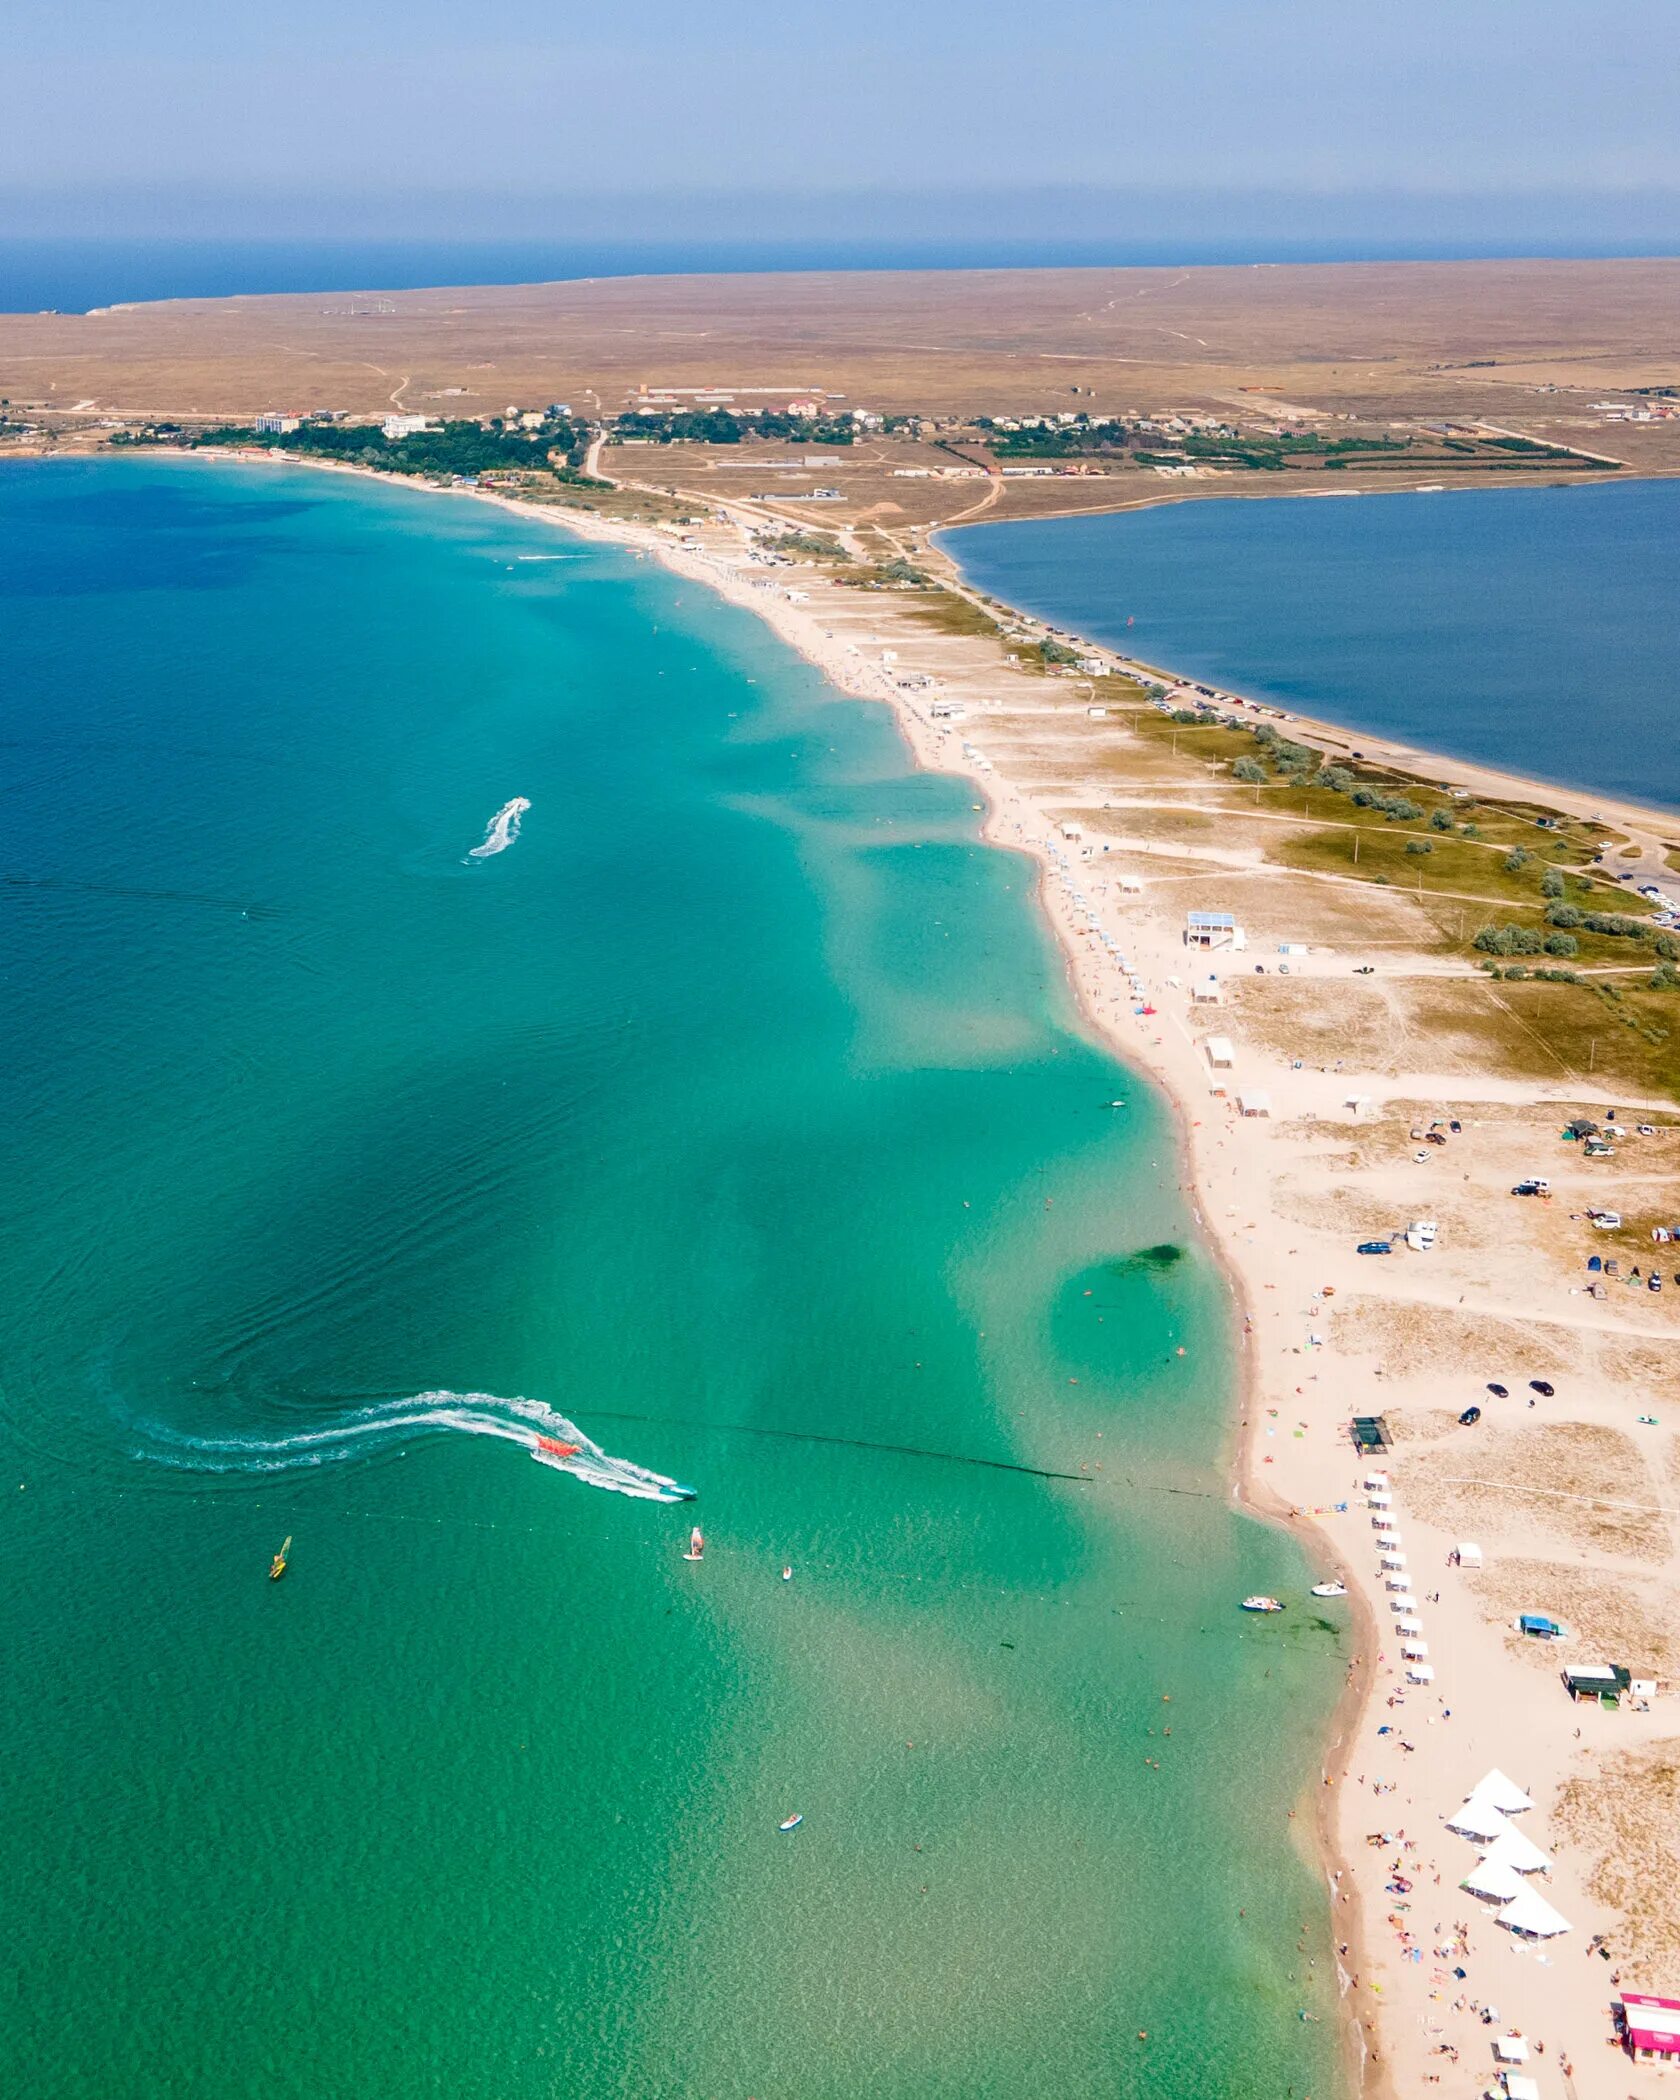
[[1393, 1558], [1532, 1916], [1415, 1651], [1478, 1819], [1510, 2048], [1469, 1555], [1411, 1626], [1501, 1793], [1420, 1673], [1499, 1884], [1517, 2087], [1515, 1848]]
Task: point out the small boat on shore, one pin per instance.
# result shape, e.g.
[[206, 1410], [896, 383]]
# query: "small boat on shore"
[[1261, 1604], [789, 1823], [696, 1544], [1329, 1589], [277, 1566]]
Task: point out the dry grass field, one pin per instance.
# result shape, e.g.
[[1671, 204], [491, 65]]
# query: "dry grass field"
[[1523, 345]]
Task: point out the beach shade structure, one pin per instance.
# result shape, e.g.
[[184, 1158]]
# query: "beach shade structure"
[[1393, 1558], [1397, 1579], [1510, 2048], [1404, 1604], [1515, 1848], [1379, 1498], [1504, 1794], [1533, 1917], [1414, 1651], [1413, 1627], [1497, 1884], [1376, 1480], [1469, 1554], [1420, 1673], [1651, 2027], [1480, 1820], [1519, 2087]]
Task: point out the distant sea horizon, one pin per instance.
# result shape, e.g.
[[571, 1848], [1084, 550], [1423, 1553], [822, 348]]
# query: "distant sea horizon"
[[76, 274]]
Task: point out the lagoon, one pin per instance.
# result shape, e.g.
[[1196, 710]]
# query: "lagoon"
[[1535, 629]]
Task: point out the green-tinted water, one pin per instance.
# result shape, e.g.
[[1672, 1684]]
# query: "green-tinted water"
[[738, 1113]]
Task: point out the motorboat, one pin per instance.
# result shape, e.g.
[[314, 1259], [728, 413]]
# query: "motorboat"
[[789, 1823], [1261, 1604], [1329, 1589]]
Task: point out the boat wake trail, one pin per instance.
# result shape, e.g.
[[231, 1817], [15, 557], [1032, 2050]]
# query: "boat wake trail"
[[502, 829], [547, 1435]]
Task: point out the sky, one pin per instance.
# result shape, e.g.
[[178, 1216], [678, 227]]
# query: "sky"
[[517, 116]]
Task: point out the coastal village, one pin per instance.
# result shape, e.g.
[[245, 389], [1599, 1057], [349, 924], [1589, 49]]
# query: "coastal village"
[[1423, 1032]]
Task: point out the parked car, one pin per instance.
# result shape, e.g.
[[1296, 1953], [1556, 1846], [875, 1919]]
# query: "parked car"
[[1533, 1186], [1655, 1283], [1375, 1247], [1542, 1386], [1469, 1418], [1435, 1137], [1607, 1220], [1498, 1391]]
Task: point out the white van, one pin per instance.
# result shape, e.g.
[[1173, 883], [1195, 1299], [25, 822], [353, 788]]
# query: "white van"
[[1420, 1235]]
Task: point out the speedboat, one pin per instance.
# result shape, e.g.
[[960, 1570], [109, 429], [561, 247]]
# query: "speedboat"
[[1261, 1604], [549, 1447], [1329, 1589]]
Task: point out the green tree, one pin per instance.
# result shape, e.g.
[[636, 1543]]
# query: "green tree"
[[1562, 944], [1248, 770], [1551, 883], [1440, 820]]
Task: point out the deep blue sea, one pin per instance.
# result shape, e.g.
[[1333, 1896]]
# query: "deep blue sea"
[[1536, 629]]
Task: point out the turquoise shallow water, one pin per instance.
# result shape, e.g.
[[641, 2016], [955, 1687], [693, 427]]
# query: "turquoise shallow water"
[[738, 1113]]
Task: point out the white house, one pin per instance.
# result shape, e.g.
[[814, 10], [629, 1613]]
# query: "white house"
[[1213, 929]]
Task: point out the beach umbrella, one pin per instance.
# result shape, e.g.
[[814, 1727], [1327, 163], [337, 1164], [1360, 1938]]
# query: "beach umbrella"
[[1515, 1848], [1503, 1793], [1478, 1819], [1497, 1883], [1531, 1915]]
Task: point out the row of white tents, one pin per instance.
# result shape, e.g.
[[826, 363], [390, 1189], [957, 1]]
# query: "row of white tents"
[[1508, 1855]]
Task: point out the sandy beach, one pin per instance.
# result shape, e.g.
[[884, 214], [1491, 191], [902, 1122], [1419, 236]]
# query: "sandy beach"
[[1569, 1494]]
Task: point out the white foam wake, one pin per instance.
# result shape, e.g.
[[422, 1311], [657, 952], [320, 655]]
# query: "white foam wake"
[[502, 829], [470, 1414]]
